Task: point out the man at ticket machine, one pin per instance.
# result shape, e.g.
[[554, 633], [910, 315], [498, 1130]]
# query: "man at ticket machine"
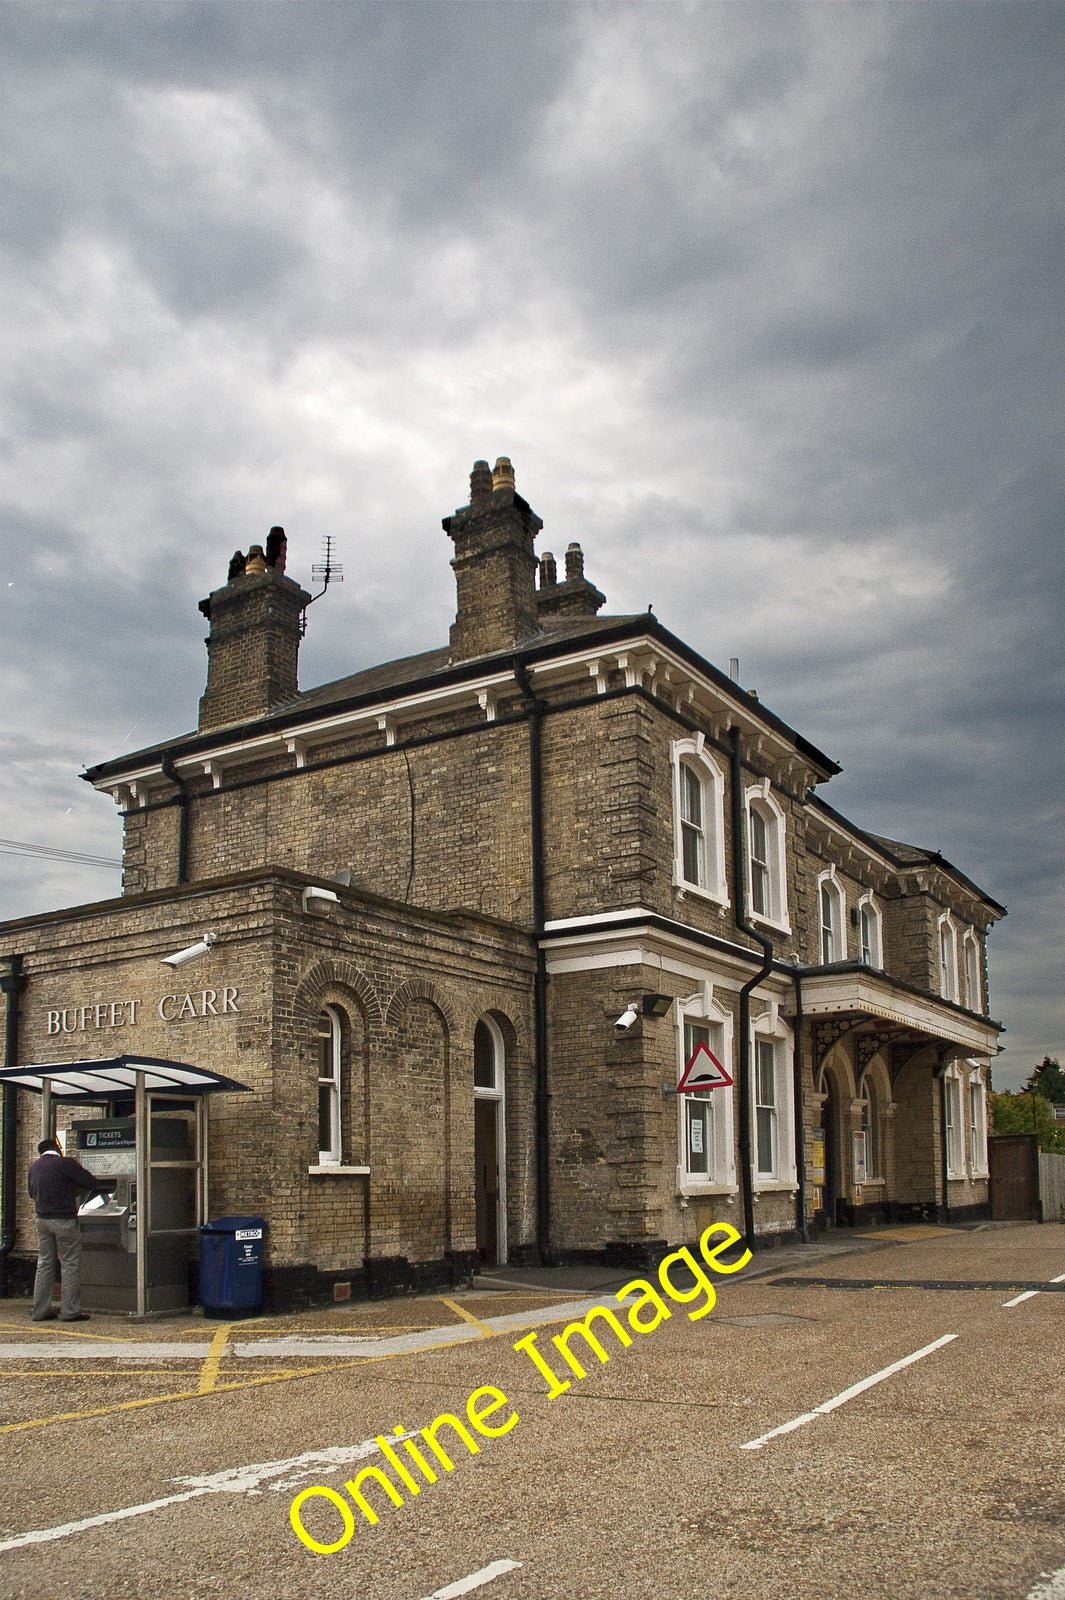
[[54, 1181]]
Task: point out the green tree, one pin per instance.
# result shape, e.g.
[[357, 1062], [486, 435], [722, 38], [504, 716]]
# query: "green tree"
[[1025, 1112], [1049, 1081]]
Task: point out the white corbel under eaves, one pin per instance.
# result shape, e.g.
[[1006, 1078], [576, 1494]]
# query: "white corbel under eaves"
[[387, 726], [486, 699]]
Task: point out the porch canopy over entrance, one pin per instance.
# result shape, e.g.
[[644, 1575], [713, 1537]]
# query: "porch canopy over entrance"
[[853, 998]]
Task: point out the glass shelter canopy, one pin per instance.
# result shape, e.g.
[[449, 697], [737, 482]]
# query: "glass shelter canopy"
[[116, 1075]]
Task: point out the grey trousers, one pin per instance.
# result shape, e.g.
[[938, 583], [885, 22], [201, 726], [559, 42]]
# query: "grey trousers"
[[57, 1236]]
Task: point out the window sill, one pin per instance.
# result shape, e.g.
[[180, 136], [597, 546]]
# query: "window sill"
[[776, 1186], [715, 897], [769, 922], [694, 1191], [333, 1169]]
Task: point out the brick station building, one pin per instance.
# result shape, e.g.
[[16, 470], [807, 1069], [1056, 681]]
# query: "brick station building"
[[435, 886]]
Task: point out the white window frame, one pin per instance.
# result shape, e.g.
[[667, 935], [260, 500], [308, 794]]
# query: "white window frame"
[[978, 1164], [691, 754], [870, 921], [702, 1011], [832, 933], [869, 1100], [332, 1155], [954, 1114], [760, 798], [971, 964], [947, 952], [498, 1093], [770, 1031]]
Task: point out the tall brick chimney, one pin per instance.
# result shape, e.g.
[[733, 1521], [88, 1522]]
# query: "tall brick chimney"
[[254, 642], [495, 567]]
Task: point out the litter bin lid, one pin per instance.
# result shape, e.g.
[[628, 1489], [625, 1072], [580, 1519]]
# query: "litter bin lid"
[[234, 1224]]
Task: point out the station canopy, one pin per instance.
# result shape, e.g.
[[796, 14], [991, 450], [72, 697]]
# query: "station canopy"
[[116, 1075]]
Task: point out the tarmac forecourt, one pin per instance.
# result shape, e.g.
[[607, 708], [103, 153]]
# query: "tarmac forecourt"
[[646, 1313]]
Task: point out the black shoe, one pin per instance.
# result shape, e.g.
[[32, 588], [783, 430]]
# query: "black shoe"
[[79, 1316], [49, 1316]]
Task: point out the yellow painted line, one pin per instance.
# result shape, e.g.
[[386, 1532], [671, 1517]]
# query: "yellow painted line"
[[468, 1316], [209, 1370], [250, 1383], [49, 1331]]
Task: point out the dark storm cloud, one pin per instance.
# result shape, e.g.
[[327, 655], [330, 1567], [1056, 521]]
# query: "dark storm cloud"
[[763, 300]]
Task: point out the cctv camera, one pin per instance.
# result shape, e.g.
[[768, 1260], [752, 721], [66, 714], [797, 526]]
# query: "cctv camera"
[[627, 1017], [190, 952]]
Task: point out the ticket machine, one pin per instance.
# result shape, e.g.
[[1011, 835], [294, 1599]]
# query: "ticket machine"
[[141, 1235], [107, 1147]]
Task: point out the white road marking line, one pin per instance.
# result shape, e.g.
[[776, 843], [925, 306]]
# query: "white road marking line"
[[1029, 1294], [302, 1344], [1054, 1587], [848, 1394], [232, 1480], [476, 1580]]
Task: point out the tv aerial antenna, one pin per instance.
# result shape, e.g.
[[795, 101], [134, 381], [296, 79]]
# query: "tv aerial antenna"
[[327, 571]]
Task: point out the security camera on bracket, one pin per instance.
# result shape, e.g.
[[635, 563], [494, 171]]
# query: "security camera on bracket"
[[627, 1018], [191, 951]]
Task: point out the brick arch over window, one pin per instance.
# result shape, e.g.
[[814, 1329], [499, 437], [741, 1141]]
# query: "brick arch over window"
[[341, 989], [424, 989], [341, 976], [413, 1113]]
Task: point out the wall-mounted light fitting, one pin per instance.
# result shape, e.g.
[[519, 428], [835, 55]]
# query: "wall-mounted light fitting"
[[312, 893], [191, 951], [655, 1005]]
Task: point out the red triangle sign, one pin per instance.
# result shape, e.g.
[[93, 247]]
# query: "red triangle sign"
[[703, 1071]]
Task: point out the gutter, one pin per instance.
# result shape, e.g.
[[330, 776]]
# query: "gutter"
[[12, 984], [739, 873], [532, 712]]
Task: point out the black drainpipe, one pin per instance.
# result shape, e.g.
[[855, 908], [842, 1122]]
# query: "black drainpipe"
[[531, 708], [12, 984], [739, 873], [800, 1131], [171, 772]]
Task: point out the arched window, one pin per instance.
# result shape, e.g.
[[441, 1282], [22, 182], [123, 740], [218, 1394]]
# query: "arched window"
[[977, 1124], [693, 838], [699, 825], [490, 1140], [707, 1160], [867, 1099], [948, 959], [329, 1118], [869, 932], [952, 1109], [771, 1069], [766, 880], [831, 909], [971, 967]]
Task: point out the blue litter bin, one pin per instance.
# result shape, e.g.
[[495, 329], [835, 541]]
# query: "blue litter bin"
[[231, 1265]]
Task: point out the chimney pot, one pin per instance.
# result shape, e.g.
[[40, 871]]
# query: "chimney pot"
[[548, 571], [480, 483], [574, 562], [256, 561], [503, 474]]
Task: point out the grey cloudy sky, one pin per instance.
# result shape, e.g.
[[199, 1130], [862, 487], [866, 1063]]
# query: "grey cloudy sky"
[[763, 300]]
